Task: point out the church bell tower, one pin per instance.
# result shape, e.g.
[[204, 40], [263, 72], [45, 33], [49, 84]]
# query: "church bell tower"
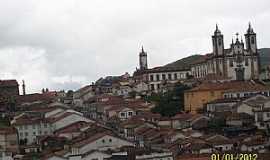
[[251, 41], [143, 60], [218, 42], [218, 52]]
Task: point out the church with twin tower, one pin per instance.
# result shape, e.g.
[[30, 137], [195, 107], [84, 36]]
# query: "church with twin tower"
[[239, 62]]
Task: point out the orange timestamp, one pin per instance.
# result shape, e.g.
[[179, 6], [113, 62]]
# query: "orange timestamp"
[[228, 156]]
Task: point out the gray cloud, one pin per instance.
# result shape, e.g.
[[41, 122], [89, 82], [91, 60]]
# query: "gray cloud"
[[69, 43]]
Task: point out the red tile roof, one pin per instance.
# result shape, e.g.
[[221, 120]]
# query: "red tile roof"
[[5, 83], [232, 86], [182, 116], [90, 139], [45, 97], [25, 120], [74, 127], [7, 130]]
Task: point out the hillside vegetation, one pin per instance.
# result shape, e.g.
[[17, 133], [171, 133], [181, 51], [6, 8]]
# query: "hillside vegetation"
[[185, 63]]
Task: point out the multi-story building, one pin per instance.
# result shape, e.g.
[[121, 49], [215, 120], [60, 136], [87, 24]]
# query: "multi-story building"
[[237, 62], [9, 140], [206, 92], [29, 128], [9, 88], [157, 78]]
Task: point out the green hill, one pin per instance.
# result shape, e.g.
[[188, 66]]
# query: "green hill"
[[264, 57], [185, 62]]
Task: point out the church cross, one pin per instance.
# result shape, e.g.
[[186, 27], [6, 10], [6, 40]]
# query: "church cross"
[[237, 34]]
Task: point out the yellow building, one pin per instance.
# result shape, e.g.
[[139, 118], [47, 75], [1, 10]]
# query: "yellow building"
[[195, 98]]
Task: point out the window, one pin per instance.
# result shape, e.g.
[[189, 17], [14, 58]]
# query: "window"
[[110, 140], [157, 77], [45, 125], [103, 141], [130, 113], [25, 127], [21, 134], [151, 78], [163, 77], [231, 63], [34, 133], [252, 40], [175, 75], [169, 76], [152, 87], [268, 114], [220, 42], [25, 134], [33, 126], [158, 86], [122, 114], [246, 62]]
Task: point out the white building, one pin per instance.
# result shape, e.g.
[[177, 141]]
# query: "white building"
[[252, 104], [238, 62], [30, 127], [262, 118], [157, 78], [66, 118], [100, 141], [83, 94]]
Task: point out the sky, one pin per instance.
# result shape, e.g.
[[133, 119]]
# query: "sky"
[[65, 44]]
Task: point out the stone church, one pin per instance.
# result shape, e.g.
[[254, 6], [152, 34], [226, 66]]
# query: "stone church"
[[239, 62]]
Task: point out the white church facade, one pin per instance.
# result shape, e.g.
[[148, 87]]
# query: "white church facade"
[[239, 62]]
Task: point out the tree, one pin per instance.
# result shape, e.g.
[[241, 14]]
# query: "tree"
[[69, 93], [169, 103]]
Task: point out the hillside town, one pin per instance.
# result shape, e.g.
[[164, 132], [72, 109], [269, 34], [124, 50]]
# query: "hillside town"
[[216, 103]]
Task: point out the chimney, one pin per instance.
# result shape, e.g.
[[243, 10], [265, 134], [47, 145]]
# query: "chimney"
[[23, 87]]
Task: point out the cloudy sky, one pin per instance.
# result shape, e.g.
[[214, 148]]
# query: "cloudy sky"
[[64, 44]]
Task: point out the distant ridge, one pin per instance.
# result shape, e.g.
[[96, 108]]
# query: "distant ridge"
[[264, 57], [185, 63]]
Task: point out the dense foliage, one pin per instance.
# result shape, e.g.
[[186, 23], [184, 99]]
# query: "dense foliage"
[[169, 103]]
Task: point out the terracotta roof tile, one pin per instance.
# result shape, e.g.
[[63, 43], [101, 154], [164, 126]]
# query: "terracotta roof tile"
[[5, 83], [46, 97], [232, 86], [7, 130]]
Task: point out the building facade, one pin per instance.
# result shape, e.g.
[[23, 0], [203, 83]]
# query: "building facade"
[[196, 98], [239, 62], [9, 140], [9, 88], [157, 78]]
